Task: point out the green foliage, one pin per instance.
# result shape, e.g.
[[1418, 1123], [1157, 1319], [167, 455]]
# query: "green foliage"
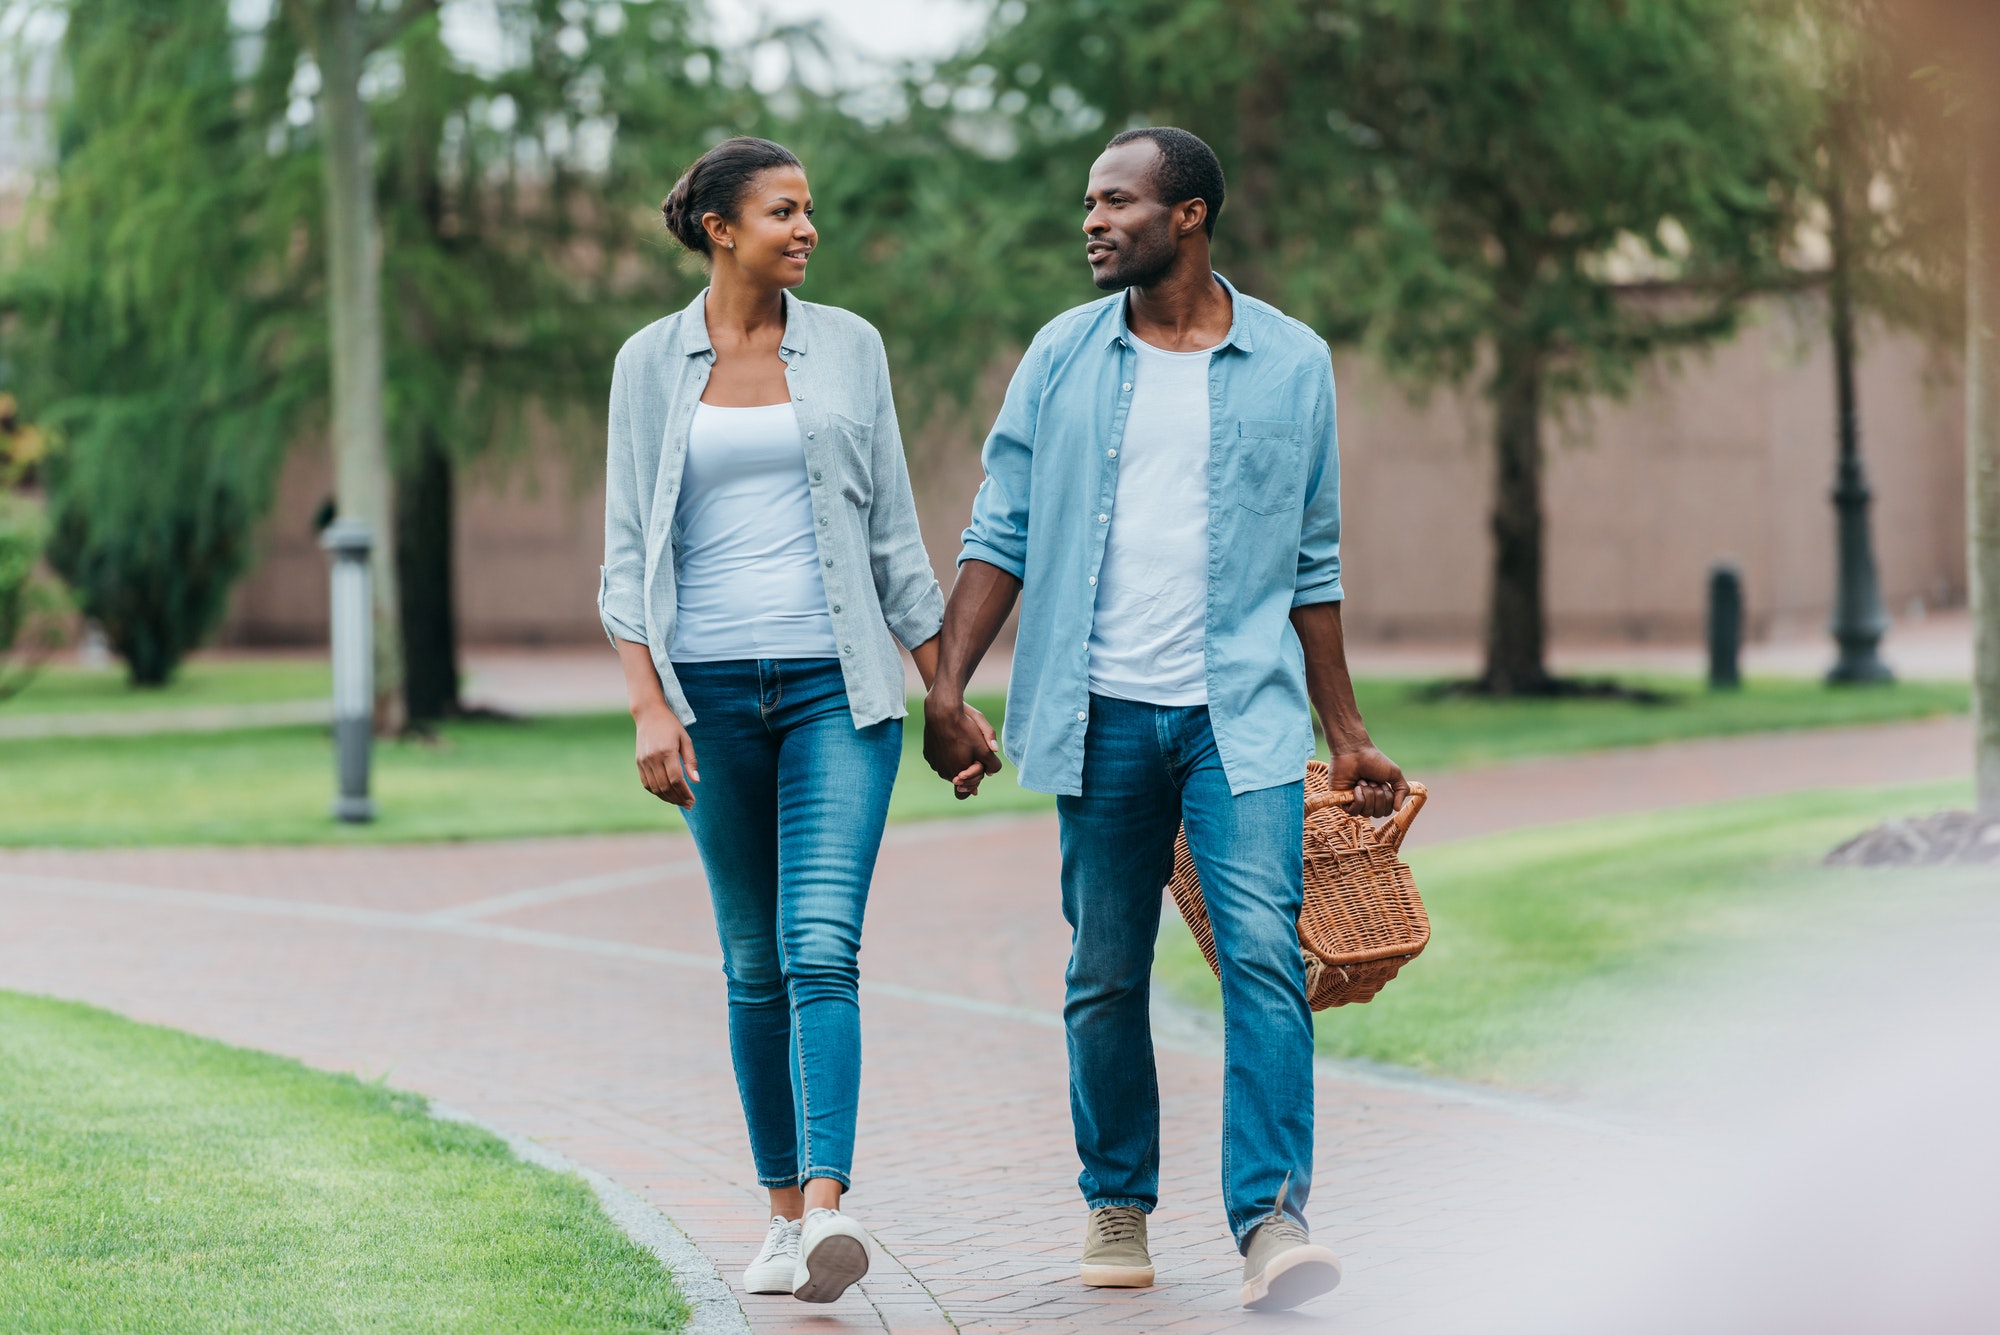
[[161, 1182], [1886, 183], [151, 338], [150, 541], [20, 550], [1439, 177], [31, 607]]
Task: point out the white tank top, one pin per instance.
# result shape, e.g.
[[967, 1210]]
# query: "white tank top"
[[748, 573]]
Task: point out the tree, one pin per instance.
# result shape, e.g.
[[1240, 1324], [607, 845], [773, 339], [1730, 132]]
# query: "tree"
[[1537, 194], [341, 36], [150, 329], [513, 262]]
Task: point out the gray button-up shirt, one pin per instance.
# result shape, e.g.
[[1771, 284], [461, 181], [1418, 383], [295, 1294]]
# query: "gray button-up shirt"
[[878, 578]]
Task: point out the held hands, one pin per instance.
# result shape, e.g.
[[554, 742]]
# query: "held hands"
[[1377, 781], [667, 765], [959, 744]]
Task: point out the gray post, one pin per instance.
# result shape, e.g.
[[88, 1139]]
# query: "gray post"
[[349, 542], [1725, 627]]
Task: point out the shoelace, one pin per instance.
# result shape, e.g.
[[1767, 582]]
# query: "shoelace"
[[1119, 1223], [782, 1240], [1282, 1227]]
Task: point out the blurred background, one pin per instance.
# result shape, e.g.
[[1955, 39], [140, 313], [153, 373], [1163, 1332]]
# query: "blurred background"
[[1622, 302], [1670, 442]]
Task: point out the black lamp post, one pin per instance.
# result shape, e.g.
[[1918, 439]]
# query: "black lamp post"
[[1858, 620]]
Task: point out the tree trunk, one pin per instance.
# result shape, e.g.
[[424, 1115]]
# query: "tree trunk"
[[1252, 237], [1515, 631], [424, 559], [362, 485], [1982, 455]]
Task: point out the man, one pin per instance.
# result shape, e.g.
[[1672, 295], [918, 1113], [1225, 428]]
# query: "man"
[[1162, 495]]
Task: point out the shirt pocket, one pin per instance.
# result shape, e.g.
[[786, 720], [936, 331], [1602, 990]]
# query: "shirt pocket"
[[853, 452], [1267, 466]]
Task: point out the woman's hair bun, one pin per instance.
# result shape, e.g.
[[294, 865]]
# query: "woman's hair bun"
[[716, 183], [686, 230]]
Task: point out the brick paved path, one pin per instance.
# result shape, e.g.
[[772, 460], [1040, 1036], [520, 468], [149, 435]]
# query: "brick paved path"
[[567, 989]]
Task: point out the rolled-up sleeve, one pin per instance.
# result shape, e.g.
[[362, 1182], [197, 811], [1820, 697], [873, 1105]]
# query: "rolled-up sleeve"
[[621, 588], [1319, 535], [905, 584], [998, 534]]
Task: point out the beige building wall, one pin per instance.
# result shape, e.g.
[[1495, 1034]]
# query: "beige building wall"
[[1728, 455]]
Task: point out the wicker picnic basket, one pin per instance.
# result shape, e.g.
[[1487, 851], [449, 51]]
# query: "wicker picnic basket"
[[1361, 920]]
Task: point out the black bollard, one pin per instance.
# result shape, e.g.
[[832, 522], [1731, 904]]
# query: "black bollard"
[[1725, 627]]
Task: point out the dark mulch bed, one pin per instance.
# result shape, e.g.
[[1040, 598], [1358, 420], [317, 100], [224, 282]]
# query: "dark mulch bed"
[[1947, 839], [1548, 688]]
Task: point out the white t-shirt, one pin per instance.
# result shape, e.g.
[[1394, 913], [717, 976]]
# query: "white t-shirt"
[[748, 577], [1146, 642]]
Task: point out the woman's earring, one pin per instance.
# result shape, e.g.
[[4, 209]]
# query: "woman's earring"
[[730, 244]]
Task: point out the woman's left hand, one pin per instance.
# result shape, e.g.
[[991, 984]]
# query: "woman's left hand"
[[967, 784]]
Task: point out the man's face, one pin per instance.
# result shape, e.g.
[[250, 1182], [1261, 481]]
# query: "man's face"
[[1132, 237]]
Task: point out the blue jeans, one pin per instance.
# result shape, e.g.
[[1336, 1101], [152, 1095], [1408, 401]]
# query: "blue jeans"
[[788, 818], [1146, 769]]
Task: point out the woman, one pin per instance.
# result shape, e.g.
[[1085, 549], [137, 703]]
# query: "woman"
[[761, 560]]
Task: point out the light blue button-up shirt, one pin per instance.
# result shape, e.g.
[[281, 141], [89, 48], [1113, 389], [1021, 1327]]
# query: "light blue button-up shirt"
[[1047, 505]]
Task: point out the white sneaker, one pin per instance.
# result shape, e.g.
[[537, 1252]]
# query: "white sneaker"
[[833, 1253], [777, 1264]]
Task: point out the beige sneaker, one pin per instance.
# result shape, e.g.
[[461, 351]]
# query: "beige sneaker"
[[1284, 1268], [1114, 1249]]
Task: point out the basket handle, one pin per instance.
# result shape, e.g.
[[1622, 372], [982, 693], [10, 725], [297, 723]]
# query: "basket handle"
[[1390, 832]]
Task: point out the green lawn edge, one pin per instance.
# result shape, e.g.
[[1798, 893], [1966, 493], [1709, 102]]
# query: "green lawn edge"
[[573, 775], [154, 1180], [1556, 949]]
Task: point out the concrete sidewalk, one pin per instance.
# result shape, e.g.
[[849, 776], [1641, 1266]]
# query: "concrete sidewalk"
[[568, 990]]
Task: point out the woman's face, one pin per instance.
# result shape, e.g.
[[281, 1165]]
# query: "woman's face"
[[772, 236]]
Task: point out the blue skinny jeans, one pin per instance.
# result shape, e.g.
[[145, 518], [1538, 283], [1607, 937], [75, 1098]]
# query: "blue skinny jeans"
[[1146, 769], [788, 819]]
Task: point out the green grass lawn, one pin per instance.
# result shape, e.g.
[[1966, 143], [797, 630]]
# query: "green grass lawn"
[[151, 1180], [1425, 734], [573, 775], [203, 682], [1552, 947]]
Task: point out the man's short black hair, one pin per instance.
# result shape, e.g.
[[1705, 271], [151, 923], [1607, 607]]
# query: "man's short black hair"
[[1188, 168]]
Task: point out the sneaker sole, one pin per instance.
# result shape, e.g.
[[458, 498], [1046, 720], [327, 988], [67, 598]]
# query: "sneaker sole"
[[1294, 1277], [832, 1268], [768, 1279], [1116, 1276]]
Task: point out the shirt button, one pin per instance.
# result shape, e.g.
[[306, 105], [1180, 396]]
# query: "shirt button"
[[1111, 454], [809, 436], [836, 607], [847, 648], [815, 471], [1102, 519], [1093, 581], [822, 520], [1128, 390], [798, 398], [1081, 716], [829, 565]]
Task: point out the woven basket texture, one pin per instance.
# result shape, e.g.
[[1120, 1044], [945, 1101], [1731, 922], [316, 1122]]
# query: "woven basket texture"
[[1361, 921]]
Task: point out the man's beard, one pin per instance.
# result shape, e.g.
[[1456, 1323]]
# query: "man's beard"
[[1144, 261]]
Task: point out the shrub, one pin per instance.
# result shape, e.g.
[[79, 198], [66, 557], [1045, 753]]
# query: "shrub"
[[150, 533]]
